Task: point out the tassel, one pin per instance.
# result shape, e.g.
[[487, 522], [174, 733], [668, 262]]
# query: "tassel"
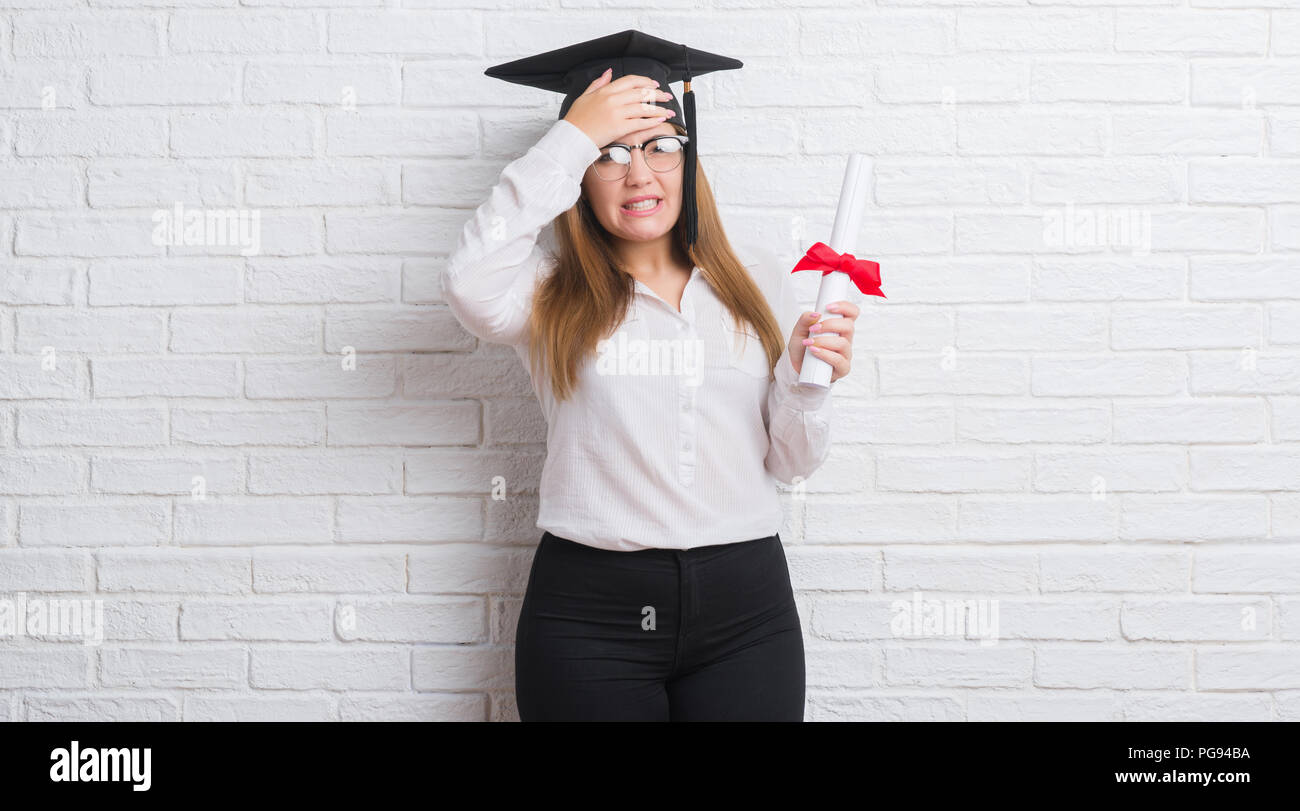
[[688, 177]]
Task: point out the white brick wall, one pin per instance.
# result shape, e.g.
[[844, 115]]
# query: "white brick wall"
[[275, 468]]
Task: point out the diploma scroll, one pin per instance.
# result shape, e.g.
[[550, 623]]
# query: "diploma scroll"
[[835, 285]]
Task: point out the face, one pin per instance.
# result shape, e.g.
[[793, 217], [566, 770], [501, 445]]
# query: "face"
[[608, 197]]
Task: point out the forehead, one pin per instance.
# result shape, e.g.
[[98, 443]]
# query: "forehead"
[[641, 135]]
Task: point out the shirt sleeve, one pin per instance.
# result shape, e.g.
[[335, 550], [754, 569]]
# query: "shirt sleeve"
[[489, 279], [799, 417]]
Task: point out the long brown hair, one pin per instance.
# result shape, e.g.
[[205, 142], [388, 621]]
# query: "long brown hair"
[[588, 294]]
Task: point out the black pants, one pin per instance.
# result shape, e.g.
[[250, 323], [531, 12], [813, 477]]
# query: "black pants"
[[704, 634]]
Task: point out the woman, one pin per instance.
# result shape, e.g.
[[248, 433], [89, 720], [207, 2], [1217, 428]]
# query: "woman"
[[659, 590]]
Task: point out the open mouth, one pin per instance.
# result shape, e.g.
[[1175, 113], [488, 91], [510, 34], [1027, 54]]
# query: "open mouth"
[[649, 204]]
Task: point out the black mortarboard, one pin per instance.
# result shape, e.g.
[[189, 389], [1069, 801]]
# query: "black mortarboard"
[[571, 69]]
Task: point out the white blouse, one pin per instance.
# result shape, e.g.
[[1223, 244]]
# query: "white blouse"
[[646, 453]]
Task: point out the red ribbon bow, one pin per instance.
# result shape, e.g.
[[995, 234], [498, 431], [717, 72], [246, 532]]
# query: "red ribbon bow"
[[863, 272]]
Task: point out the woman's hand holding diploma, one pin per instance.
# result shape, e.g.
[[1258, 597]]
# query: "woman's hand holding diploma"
[[831, 339]]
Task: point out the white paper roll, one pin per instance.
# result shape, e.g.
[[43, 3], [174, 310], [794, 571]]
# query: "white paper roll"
[[835, 286]]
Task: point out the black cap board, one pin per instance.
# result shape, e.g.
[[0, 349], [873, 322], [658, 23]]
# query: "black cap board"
[[569, 70]]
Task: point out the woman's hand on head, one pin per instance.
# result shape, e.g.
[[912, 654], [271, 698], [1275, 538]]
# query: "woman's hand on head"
[[837, 349], [608, 109]]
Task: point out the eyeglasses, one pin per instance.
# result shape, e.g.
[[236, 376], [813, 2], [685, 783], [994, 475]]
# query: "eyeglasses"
[[663, 153]]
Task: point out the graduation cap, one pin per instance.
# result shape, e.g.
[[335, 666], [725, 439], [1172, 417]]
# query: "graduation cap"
[[571, 69]]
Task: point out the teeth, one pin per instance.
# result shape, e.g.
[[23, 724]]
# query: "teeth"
[[644, 205]]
